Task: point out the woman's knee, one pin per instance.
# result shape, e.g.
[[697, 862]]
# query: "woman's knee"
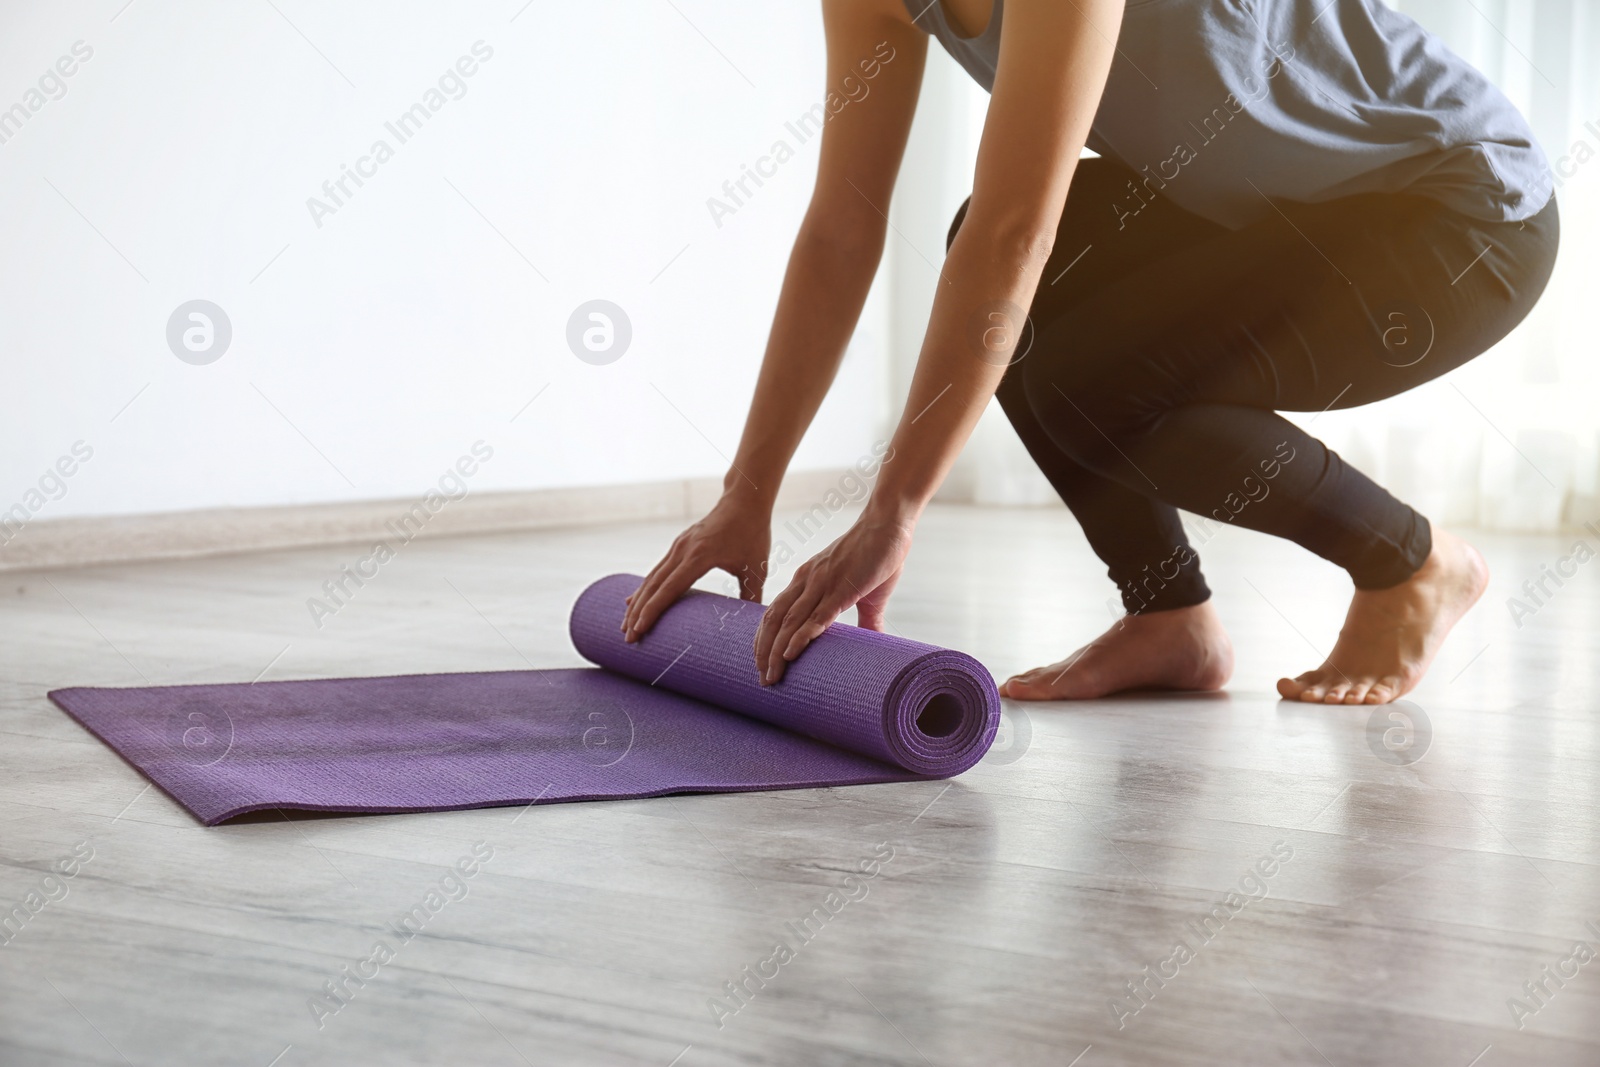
[[1085, 420]]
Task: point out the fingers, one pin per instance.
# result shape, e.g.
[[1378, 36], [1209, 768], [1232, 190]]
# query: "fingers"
[[662, 597], [795, 621], [750, 583], [772, 619], [819, 593], [647, 588], [786, 643], [870, 608], [818, 621]]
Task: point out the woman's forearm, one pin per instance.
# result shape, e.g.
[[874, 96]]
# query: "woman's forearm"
[[977, 319], [824, 289], [1052, 69]]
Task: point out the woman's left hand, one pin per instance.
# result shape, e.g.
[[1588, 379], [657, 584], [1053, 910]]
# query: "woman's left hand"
[[858, 570]]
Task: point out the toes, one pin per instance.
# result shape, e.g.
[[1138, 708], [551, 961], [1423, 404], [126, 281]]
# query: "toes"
[[1384, 690], [1304, 687], [1311, 687], [1336, 693], [1029, 686], [1358, 691]]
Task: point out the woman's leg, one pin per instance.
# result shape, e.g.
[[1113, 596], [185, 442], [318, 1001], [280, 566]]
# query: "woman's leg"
[[1140, 539], [1168, 380], [1129, 530]]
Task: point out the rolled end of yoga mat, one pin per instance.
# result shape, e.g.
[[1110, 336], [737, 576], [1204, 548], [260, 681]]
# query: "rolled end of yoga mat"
[[925, 709]]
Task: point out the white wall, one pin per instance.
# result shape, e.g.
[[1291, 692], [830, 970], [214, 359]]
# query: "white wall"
[[377, 347]]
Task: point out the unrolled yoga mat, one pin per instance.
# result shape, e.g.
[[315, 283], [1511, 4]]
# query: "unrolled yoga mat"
[[679, 711]]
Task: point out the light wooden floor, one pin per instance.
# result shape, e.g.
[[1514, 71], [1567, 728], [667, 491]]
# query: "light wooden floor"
[[1020, 899]]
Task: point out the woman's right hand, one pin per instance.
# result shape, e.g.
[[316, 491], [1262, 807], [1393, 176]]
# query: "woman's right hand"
[[735, 537]]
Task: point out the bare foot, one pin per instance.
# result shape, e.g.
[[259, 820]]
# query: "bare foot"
[[1390, 636], [1185, 648]]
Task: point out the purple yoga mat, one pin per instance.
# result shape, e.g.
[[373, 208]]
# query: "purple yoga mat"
[[680, 711]]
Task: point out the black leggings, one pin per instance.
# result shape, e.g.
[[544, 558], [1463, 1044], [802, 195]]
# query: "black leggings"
[[1162, 346]]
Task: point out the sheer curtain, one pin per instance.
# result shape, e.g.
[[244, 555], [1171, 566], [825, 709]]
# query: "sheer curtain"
[[1511, 441]]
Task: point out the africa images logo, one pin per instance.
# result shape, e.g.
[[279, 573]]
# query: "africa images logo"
[[199, 332]]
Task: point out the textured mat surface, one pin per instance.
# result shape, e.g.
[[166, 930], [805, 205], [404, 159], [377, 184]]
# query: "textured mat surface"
[[681, 711]]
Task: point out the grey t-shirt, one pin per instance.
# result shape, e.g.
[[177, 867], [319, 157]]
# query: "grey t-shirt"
[[1220, 104]]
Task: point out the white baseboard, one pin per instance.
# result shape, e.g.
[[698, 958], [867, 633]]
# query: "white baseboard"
[[76, 542]]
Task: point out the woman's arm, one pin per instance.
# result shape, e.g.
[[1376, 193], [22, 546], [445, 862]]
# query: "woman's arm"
[[1054, 60], [875, 60]]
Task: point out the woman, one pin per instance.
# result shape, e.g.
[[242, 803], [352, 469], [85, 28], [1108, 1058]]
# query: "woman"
[[1299, 205]]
